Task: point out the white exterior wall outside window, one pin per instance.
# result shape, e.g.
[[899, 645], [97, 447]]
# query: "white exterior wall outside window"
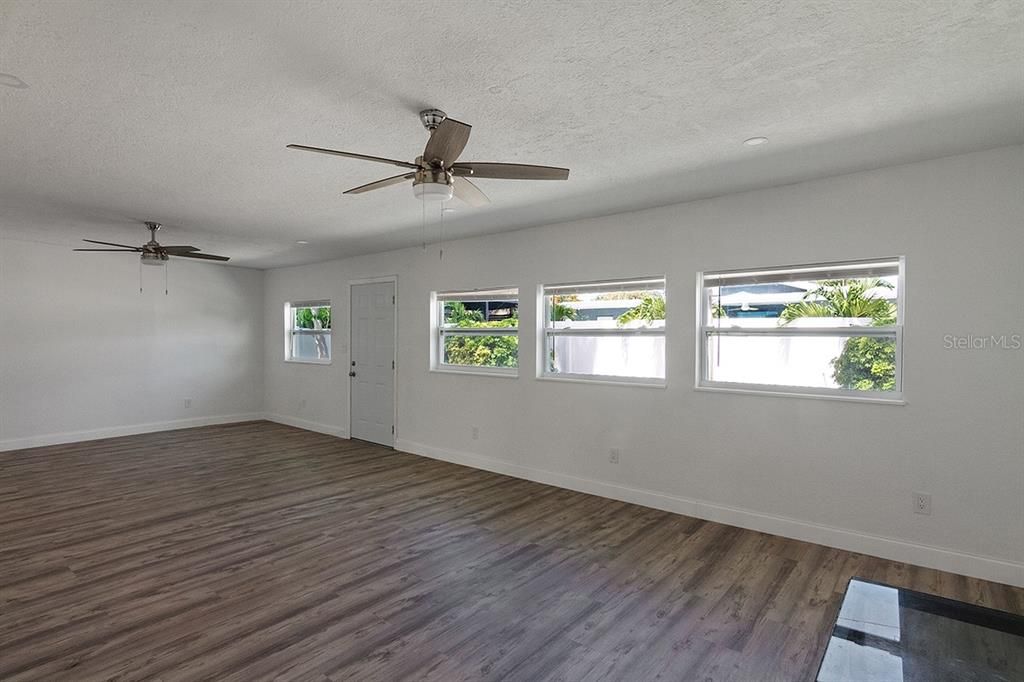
[[833, 330], [606, 331]]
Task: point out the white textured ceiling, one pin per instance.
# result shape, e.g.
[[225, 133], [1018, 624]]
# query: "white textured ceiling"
[[180, 111]]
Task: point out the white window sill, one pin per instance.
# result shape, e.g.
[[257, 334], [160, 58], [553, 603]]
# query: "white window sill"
[[780, 393], [476, 372], [602, 380], [308, 362]]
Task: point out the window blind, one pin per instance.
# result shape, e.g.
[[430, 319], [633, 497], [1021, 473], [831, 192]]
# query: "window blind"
[[477, 295], [854, 270], [622, 285]]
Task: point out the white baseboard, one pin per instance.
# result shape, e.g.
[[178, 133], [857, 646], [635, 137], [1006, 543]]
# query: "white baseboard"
[[940, 558], [337, 431], [116, 431]]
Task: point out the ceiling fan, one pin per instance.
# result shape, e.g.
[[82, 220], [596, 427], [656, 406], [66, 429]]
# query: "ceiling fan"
[[152, 252], [438, 174]]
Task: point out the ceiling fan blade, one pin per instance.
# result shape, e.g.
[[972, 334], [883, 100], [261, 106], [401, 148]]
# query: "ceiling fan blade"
[[446, 142], [386, 182], [123, 246], [510, 171], [204, 256], [111, 250], [468, 192], [352, 155], [179, 249]]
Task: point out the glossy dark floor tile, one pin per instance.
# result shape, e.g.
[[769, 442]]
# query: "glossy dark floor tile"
[[890, 634]]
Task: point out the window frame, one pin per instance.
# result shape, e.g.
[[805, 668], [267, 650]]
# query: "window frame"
[[547, 333], [291, 331], [438, 332], [705, 331]]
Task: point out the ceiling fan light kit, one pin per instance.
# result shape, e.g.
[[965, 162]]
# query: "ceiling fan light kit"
[[434, 184], [154, 258], [433, 191], [438, 175]]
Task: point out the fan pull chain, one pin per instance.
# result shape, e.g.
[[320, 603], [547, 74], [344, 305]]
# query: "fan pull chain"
[[440, 251], [165, 278], [140, 275], [423, 222]]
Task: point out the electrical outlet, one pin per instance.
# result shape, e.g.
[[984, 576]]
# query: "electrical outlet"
[[302, 404], [476, 433], [613, 455], [922, 503], [188, 403]]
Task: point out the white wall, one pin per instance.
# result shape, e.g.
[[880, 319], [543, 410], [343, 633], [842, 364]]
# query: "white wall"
[[84, 355], [835, 472]]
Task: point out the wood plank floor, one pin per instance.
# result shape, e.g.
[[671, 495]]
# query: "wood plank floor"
[[257, 551]]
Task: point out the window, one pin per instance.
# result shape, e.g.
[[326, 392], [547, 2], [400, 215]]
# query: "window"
[[477, 331], [613, 330], [834, 329], [308, 325]]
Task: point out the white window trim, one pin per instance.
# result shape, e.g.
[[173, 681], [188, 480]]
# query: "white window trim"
[[438, 333], [290, 331], [799, 392], [544, 332], [496, 372], [896, 397], [309, 362], [603, 379]]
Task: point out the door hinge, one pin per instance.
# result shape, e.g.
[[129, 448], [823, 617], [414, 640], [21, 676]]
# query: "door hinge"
[[392, 300], [392, 364], [392, 429]]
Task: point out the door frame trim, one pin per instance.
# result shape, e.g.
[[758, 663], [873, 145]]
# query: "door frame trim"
[[394, 374]]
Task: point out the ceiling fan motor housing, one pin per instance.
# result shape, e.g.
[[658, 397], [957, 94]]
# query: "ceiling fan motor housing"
[[153, 258]]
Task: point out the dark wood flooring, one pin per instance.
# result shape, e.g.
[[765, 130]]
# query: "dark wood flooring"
[[254, 551]]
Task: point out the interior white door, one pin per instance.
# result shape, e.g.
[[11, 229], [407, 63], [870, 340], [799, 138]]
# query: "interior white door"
[[372, 364]]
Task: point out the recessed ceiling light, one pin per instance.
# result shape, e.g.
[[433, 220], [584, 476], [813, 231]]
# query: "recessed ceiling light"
[[11, 81], [755, 141], [301, 241]]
